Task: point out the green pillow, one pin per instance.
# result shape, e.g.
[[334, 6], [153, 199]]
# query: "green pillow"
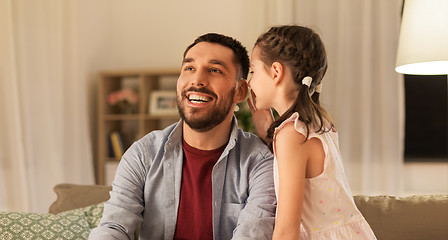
[[71, 224], [93, 214]]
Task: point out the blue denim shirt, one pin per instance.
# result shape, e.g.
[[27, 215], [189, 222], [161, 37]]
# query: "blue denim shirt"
[[146, 189]]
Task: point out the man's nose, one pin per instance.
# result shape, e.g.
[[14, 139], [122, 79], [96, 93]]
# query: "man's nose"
[[200, 79]]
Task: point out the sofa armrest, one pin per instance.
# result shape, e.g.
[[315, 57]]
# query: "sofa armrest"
[[72, 196], [413, 217]]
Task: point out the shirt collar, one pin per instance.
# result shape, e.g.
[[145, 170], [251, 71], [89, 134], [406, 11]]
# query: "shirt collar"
[[175, 137]]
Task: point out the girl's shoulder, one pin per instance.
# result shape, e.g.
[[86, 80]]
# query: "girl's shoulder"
[[290, 132], [312, 130], [292, 143], [289, 145], [292, 123]]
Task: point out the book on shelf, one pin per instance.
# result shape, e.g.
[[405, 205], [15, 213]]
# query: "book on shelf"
[[116, 144]]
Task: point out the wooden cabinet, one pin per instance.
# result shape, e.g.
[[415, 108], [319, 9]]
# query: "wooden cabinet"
[[155, 108]]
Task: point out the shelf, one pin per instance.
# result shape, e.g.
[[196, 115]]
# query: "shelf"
[[159, 117], [120, 117], [130, 126]]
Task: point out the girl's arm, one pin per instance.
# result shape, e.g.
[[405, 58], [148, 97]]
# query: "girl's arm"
[[293, 155]]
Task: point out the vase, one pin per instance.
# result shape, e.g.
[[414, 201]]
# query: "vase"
[[126, 108]]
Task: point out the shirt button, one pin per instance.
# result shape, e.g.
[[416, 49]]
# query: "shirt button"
[[171, 202]]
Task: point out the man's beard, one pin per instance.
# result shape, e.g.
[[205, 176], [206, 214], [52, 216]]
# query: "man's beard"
[[212, 118]]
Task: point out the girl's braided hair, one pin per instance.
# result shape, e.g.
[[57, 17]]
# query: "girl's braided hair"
[[302, 51]]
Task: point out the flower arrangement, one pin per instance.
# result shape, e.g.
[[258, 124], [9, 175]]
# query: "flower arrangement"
[[125, 99]]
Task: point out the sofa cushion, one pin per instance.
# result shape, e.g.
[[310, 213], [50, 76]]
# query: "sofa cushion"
[[72, 196], [93, 214], [67, 225], [413, 217]]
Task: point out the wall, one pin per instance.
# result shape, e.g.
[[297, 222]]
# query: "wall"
[[153, 34], [425, 178]]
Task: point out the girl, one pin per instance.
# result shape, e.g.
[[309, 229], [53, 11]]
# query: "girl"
[[314, 199]]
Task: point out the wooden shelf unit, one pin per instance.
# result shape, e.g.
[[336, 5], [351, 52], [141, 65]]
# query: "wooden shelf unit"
[[137, 123]]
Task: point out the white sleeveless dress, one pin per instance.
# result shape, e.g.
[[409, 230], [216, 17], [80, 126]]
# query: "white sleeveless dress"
[[329, 211]]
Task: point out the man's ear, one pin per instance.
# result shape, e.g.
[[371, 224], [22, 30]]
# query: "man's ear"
[[277, 72], [241, 91]]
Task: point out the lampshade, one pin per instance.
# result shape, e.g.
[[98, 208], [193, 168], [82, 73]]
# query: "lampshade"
[[423, 42]]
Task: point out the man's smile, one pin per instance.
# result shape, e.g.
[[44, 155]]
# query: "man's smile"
[[198, 98]]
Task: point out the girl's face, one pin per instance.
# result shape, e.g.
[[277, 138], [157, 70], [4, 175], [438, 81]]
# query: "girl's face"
[[261, 82]]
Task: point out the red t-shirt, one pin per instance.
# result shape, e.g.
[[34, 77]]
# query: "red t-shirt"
[[194, 219]]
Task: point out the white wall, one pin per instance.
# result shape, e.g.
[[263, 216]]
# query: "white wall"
[[425, 178], [153, 34]]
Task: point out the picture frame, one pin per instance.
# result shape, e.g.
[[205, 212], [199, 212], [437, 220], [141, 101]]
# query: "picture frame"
[[163, 103]]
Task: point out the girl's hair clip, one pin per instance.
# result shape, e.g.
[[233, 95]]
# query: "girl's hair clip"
[[318, 88], [307, 81]]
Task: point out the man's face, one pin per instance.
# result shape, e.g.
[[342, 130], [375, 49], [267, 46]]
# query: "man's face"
[[206, 86]]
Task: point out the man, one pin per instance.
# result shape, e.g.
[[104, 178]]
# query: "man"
[[201, 178]]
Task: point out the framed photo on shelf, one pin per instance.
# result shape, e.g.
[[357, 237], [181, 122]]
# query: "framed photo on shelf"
[[163, 103]]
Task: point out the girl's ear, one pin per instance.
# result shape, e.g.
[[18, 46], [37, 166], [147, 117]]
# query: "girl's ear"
[[241, 91], [277, 72]]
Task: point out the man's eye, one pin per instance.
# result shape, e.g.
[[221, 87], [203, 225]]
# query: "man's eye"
[[215, 70], [188, 68]]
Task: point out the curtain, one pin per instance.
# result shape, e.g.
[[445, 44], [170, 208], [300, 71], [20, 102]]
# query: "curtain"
[[44, 133], [361, 89]]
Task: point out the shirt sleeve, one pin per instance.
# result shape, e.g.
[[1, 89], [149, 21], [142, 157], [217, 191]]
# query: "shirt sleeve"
[[256, 220], [123, 212]]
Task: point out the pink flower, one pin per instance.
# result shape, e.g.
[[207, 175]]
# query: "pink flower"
[[123, 95]]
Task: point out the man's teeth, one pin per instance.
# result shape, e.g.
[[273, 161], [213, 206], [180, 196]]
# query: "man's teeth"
[[197, 98]]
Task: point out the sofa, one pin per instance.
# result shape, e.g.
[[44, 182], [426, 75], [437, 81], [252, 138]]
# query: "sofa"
[[78, 208]]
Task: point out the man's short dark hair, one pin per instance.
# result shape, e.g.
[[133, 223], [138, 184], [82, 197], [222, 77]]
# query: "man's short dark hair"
[[240, 52]]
